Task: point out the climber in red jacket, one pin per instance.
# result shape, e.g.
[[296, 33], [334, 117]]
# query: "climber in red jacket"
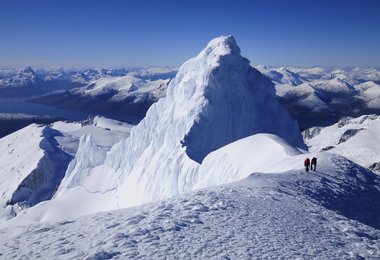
[[307, 164]]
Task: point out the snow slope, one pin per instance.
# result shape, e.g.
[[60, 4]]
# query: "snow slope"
[[34, 159], [121, 87], [329, 214], [215, 99], [32, 167], [236, 161], [370, 93], [97, 187], [281, 75], [355, 138], [105, 132], [12, 169], [304, 95]]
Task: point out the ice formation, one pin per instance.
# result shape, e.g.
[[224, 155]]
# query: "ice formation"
[[216, 98]]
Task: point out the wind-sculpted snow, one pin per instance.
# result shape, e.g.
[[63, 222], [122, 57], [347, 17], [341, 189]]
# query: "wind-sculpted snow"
[[236, 161], [329, 214], [215, 99], [88, 156]]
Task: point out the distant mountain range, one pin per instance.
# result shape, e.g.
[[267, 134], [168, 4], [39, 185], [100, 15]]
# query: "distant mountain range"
[[315, 96], [321, 96]]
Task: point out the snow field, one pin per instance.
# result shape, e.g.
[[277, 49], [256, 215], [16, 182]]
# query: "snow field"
[[263, 216]]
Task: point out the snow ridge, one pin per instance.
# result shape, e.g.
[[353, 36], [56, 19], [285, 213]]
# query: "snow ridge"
[[330, 214]]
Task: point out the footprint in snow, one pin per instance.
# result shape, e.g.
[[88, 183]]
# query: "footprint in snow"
[[103, 255], [66, 222], [134, 220], [42, 230]]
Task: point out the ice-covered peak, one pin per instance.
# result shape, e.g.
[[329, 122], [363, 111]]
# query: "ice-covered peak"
[[223, 98], [215, 99], [24, 77], [283, 70], [222, 45]]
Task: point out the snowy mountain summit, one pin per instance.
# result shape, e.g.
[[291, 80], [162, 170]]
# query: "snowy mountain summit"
[[215, 99], [227, 100]]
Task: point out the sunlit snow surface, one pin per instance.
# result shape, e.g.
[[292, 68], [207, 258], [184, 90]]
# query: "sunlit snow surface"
[[329, 214], [219, 123], [34, 159], [357, 139], [215, 99]]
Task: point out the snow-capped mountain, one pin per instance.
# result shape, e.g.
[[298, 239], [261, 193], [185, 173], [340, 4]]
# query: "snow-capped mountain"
[[124, 98], [221, 144], [281, 75], [24, 77], [369, 93], [321, 96], [366, 74], [314, 96], [355, 138], [215, 99], [49, 77]]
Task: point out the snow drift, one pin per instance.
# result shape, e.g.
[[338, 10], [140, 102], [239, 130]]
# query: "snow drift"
[[256, 153]]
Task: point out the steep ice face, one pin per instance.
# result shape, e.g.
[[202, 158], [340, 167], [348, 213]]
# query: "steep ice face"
[[89, 155], [215, 99], [234, 100]]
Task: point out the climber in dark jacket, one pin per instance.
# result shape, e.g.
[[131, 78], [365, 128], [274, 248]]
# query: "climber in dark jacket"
[[313, 162], [307, 164]]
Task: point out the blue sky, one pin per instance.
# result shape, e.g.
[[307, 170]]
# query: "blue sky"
[[116, 33]]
